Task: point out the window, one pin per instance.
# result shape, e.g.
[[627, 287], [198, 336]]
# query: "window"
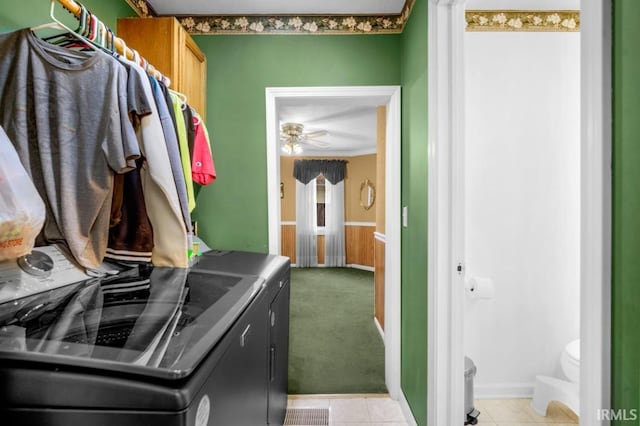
[[320, 201]]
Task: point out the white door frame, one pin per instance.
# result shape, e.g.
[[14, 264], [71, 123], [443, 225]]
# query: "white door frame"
[[392, 207], [445, 387], [445, 361]]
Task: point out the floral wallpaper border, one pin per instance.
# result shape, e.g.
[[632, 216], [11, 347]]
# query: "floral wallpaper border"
[[287, 24], [523, 20], [142, 8]]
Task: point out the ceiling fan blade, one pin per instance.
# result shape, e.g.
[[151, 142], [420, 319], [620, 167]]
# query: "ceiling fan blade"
[[316, 134], [316, 143]]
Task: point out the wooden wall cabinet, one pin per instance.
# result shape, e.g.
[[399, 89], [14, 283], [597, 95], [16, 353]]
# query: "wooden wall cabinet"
[[168, 47]]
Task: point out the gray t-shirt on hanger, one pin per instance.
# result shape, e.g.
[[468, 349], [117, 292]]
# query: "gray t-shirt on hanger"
[[66, 114]]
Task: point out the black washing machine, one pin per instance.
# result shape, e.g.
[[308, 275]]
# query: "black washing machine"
[[150, 346]]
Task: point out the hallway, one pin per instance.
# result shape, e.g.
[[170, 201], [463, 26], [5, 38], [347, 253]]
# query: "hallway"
[[334, 346]]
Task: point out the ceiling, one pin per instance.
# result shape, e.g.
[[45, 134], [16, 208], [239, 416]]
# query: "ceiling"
[[277, 7], [350, 123]]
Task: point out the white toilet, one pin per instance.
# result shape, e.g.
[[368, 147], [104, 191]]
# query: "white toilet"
[[552, 389]]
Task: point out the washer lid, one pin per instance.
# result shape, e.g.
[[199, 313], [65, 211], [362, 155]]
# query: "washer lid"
[[573, 350], [157, 322]]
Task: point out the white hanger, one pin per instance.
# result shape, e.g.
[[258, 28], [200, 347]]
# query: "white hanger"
[[197, 117], [59, 25], [182, 97]]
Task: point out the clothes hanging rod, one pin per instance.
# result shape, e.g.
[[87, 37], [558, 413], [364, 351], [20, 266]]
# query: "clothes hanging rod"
[[119, 44]]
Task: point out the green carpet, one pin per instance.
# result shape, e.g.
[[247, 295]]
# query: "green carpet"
[[334, 346]]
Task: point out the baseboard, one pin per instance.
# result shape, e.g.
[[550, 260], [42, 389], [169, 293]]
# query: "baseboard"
[[361, 267], [293, 223], [503, 390], [380, 330], [354, 266], [406, 410], [336, 395]]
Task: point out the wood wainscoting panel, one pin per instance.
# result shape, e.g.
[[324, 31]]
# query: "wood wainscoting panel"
[[379, 282], [288, 242], [359, 242], [320, 241]]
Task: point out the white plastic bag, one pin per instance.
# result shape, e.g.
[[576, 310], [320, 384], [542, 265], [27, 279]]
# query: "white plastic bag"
[[22, 211]]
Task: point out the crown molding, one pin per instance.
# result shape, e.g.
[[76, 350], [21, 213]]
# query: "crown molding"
[[286, 24], [523, 20]]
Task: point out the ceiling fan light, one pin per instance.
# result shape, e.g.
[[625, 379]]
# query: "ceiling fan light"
[[286, 148], [297, 149]]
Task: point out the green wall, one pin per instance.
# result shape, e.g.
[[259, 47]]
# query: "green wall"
[[414, 195], [232, 212], [28, 13], [626, 208]]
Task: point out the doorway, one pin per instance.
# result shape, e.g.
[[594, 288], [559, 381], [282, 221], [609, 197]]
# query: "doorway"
[[522, 219], [391, 99], [446, 223]]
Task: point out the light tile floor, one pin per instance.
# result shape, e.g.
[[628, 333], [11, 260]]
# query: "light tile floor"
[[517, 412], [383, 411], [371, 410]]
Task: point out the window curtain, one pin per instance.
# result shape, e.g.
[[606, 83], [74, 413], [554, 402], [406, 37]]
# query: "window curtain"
[[332, 170], [306, 240], [334, 250]]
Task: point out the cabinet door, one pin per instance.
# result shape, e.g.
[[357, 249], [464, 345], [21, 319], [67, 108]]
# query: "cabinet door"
[[239, 390], [169, 48], [279, 354], [156, 39], [193, 76]]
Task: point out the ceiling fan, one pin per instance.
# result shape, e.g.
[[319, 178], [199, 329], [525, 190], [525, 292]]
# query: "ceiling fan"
[[293, 137]]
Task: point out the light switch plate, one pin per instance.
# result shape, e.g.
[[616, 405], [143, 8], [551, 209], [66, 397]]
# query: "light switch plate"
[[405, 216]]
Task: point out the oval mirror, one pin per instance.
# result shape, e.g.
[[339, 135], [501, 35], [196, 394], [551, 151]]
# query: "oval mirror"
[[367, 194]]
